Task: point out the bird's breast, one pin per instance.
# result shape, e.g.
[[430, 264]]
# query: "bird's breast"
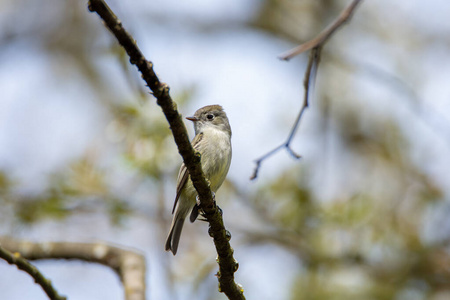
[[216, 156]]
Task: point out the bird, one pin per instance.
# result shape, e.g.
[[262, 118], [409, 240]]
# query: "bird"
[[213, 141]]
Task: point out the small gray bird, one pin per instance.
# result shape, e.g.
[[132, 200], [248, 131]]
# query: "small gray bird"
[[213, 141]]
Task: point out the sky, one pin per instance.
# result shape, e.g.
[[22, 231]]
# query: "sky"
[[46, 121]]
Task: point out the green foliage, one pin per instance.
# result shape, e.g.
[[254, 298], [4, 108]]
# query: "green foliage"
[[46, 205], [365, 241]]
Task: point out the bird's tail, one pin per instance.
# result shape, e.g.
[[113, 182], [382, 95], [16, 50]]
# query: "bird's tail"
[[174, 234]]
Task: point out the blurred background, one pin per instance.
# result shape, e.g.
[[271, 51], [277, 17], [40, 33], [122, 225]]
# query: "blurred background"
[[86, 154]]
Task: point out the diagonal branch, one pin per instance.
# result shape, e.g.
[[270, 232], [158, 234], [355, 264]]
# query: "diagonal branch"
[[310, 75], [227, 264], [315, 45], [23, 264], [128, 264], [344, 17]]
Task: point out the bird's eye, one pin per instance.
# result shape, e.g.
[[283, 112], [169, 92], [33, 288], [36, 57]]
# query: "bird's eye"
[[210, 116]]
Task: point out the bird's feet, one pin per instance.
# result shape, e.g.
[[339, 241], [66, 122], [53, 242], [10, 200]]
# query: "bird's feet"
[[200, 212], [213, 195]]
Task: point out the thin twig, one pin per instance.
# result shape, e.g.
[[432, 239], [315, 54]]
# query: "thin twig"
[[24, 265], [345, 16], [227, 263], [309, 80], [128, 264], [315, 45]]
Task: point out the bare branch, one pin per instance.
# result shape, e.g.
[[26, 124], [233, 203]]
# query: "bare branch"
[[309, 80], [227, 264], [315, 45], [128, 264], [23, 264], [324, 35]]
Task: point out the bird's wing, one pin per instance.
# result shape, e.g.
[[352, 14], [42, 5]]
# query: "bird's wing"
[[183, 175]]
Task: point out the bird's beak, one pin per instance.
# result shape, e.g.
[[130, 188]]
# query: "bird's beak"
[[193, 119]]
